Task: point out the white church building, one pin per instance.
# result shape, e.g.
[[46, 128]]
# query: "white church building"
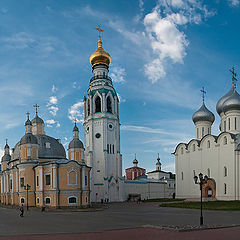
[[217, 157]]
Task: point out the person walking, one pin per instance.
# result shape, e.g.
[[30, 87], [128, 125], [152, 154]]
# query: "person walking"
[[21, 210]]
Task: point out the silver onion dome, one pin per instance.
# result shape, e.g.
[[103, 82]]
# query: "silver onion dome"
[[232, 102], [222, 100], [203, 114]]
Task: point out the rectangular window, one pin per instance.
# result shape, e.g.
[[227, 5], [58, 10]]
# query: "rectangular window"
[[225, 188], [235, 123], [29, 151], [224, 129], [86, 181], [47, 179], [10, 183], [113, 149], [110, 148], [197, 132], [202, 131], [22, 181], [229, 124], [107, 148], [37, 181]]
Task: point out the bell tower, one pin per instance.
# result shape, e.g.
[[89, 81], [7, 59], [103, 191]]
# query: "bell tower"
[[102, 129]]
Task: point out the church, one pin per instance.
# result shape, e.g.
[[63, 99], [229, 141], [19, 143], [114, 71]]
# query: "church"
[[216, 157], [38, 174]]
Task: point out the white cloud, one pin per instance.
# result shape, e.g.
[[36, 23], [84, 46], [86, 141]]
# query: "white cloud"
[[53, 100], [76, 112], [53, 110], [118, 74], [54, 89], [234, 3], [52, 122]]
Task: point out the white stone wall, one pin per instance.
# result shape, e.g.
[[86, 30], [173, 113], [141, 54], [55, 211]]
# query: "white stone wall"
[[210, 155]]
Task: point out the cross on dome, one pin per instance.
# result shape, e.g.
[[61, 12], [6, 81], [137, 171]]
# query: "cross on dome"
[[203, 92], [234, 75], [36, 108], [99, 30], [27, 113]]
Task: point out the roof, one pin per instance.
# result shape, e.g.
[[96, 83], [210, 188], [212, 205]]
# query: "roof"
[[158, 171], [28, 138], [75, 143]]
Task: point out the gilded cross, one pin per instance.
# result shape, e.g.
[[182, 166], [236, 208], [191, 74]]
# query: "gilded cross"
[[234, 75], [36, 107], [203, 92], [99, 30], [6, 141], [28, 114]]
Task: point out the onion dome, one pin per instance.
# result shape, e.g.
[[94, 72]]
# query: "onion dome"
[[232, 102], [28, 138], [28, 122], [223, 99], [100, 56], [6, 158], [37, 119], [203, 114], [75, 143]]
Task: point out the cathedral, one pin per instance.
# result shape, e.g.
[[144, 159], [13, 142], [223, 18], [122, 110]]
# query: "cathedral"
[[38, 174], [216, 157]]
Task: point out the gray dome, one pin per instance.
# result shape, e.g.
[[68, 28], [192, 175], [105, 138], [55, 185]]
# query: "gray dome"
[[135, 161], [6, 158], [28, 122], [50, 148], [222, 100], [37, 119], [232, 102], [203, 114], [28, 138], [75, 143]]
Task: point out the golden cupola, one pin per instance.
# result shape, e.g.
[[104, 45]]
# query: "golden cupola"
[[100, 56]]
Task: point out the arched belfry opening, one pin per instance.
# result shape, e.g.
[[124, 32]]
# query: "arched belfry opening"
[[97, 104], [109, 104], [88, 107]]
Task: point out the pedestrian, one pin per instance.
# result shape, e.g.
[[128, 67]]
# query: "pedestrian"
[[21, 210]]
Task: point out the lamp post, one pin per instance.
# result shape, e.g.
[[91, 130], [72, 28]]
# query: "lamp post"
[[201, 182], [27, 188]]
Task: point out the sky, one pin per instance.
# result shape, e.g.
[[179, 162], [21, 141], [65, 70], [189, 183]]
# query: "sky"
[[163, 52]]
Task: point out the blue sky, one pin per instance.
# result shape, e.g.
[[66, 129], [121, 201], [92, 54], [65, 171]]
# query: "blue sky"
[[162, 52]]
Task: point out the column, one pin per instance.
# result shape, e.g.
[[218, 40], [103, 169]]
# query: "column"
[[41, 179], [91, 105], [54, 177], [103, 102], [17, 181], [83, 178]]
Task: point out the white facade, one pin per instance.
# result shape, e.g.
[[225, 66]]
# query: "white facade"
[[218, 157], [102, 136]]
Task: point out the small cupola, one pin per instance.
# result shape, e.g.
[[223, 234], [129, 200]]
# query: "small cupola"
[[158, 164], [28, 125], [75, 131], [37, 123], [135, 161], [203, 119]]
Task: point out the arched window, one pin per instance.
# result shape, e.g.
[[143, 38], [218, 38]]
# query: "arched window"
[[88, 107], [229, 124], [22, 200], [109, 104], [202, 131], [181, 150], [224, 126], [197, 132], [225, 171], [182, 175], [72, 200], [194, 147], [225, 140], [208, 172], [235, 123], [208, 144], [47, 200], [72, 177], [225, 188], [98, 104]]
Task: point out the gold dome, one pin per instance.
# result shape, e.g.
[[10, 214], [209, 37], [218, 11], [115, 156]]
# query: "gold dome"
[[100, 56]]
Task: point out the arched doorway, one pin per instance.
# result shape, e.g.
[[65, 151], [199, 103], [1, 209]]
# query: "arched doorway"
[[209, 189]]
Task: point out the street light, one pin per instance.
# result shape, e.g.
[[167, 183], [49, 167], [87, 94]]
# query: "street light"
[[27, 188], [201, 182]]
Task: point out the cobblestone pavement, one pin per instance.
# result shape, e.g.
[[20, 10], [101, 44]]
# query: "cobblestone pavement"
[[127, 217]]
